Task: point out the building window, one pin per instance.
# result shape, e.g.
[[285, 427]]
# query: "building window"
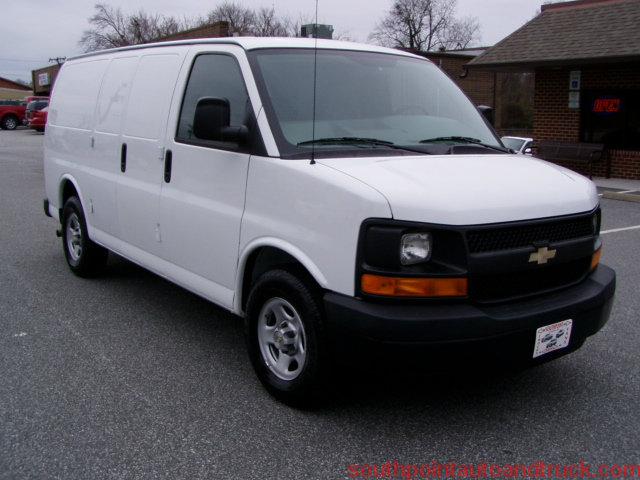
[[612, 118]]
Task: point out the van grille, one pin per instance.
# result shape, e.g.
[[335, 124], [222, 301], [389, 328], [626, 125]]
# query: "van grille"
[[501, 287], [505, 238]]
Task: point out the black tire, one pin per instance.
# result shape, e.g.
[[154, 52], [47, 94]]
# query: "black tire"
[[10, 122], [305, 390], [89, 259]]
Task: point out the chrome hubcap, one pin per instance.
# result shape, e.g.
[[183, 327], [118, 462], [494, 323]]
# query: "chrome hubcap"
[[282, 339], [74, 237], [11, 124]]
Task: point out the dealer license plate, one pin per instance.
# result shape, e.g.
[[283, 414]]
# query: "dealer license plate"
[[552, 337]]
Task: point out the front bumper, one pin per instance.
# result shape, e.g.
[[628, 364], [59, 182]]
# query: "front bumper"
[[505, 330]]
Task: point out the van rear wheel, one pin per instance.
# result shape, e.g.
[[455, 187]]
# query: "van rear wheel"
[[285, 337], [84, 257]]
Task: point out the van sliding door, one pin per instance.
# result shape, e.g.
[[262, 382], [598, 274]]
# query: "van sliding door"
[[139, 157]]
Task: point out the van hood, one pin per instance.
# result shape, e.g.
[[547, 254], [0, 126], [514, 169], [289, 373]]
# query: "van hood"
[[471, 189]]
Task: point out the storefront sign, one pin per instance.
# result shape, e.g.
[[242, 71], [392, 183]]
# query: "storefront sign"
[[575, 77], [43, 79], [607, 105], [574, 100]]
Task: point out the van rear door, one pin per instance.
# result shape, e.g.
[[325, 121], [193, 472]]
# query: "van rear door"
[[110, 111]]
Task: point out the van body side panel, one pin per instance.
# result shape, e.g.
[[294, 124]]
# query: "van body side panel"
[[180, 276], [315, 208], [68, 139], [138, 190]]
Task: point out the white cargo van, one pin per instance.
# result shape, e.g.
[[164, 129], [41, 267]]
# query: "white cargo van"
[[332, 194]]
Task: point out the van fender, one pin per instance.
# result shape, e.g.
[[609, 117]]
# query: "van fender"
[[280, 244], [64, 178]]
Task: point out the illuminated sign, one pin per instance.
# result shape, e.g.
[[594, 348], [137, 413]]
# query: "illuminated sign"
[[607, 105]]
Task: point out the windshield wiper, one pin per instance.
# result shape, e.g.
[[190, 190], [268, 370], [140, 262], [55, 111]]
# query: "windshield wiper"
[[346, 141], [358, 140], [474, 141]]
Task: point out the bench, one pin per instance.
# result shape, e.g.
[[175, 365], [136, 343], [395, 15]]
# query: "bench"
[[576, 152]]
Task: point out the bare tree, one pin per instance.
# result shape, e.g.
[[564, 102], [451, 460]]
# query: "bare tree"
[[241, 19], [110, 28], [425, 25], [461, 33], [268, 24]]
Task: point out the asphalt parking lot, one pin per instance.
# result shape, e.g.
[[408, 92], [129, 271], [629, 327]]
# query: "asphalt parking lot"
[[129, 376]]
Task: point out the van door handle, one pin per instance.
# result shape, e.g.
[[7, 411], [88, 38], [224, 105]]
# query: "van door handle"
[[123, 157], [168, 158]]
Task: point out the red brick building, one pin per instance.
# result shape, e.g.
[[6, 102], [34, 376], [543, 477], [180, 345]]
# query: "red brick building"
[[586, 59], [480, 85], [11, 85], [510, 94], [217, 29], [10, 90]]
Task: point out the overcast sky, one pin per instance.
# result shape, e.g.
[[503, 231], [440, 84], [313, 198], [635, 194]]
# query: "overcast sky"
[[32, 31]]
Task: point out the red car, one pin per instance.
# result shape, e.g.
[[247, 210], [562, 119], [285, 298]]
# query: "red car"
[[33, 107], [11, 114], [39, 119]]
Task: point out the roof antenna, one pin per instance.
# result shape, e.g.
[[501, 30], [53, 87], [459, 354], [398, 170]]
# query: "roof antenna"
[[315, 80]]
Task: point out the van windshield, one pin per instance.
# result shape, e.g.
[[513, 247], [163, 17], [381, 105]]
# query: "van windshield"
[[364, 100]]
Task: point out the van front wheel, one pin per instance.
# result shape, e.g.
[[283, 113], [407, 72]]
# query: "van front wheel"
[[84, 257], [285, 337]]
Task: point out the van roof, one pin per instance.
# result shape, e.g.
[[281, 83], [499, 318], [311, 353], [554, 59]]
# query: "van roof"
[[253, 43]]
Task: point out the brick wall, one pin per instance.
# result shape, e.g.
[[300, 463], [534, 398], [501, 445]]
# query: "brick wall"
[[478, 84], [554, 120], [214, 30]]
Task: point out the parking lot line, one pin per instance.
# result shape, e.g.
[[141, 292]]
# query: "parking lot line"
[[624, 229]]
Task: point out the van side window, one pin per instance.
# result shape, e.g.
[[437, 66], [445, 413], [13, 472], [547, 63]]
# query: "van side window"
[[214, 76]]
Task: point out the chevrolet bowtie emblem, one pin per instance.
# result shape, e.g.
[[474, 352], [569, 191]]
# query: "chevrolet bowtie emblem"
[[542, 256]]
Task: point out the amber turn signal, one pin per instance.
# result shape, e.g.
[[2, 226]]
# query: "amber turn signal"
[[414, 287], [595, 259]]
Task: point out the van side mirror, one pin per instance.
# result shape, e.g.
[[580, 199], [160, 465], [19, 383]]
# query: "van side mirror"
[[528, 151], [487, 112], [212, 122]]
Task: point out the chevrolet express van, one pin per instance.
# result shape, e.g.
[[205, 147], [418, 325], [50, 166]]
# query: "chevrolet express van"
[[328, 193]]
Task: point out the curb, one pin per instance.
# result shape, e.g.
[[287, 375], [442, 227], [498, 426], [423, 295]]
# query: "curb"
[[625, 197]]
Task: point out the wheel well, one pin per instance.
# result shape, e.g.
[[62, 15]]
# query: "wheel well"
[[68, 190], [264, 259]]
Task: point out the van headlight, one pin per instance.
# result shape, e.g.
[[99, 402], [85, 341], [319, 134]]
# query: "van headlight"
[[415, 248]]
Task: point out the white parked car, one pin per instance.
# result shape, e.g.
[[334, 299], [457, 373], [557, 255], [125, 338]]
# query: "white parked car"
[[381, 210], [520, 145]]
